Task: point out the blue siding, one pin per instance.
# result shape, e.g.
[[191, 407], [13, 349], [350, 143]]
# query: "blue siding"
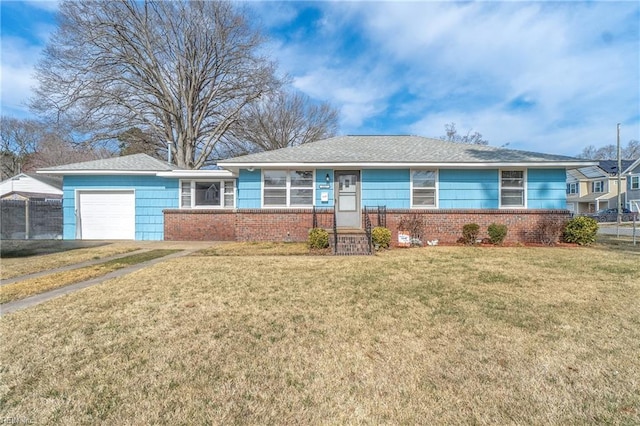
[[383, 187], [321, 186], [468, 189], [249, 187], [546, 189], [153, 194]]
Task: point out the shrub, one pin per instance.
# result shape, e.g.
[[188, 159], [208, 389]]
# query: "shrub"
[[581, 230], [497, 233], [470, 233], [413, 224], [381, 237], [550, 230], [318, 238]]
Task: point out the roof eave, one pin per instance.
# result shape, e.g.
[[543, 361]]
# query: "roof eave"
[[529, 164], [99, 172]]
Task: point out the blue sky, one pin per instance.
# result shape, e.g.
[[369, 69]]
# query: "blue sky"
[[543, 76]]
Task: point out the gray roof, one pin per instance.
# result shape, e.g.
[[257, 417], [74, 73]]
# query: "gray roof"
[[395, 149], [127, 163], [611, 166]]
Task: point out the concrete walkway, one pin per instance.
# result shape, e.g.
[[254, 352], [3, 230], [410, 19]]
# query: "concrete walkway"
[[71, 267], [27, 302]]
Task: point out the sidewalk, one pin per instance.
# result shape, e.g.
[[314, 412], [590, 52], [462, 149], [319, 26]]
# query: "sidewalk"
[[27, 302]]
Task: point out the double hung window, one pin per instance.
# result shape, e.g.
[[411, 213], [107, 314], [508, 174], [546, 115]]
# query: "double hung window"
[[512, 188], [287, 188], [423, 188]]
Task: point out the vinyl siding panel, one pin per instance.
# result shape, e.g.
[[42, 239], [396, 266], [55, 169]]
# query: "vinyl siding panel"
[[320, 181], [249, 187], [546, 189], [152, 196], [468, 189], [389, 188]]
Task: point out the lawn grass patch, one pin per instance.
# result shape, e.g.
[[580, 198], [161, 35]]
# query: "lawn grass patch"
[[439, 335], [29, 287], [257, 249], [15, 267]]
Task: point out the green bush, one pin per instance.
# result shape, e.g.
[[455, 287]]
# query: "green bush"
[[497, 233], [581, 230], [318, 238], [470, 233], [381, 237]]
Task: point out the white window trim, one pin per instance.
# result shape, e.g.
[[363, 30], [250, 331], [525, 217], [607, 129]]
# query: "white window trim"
[[192, 185], [524, 188], [288, 189], [637, 181], [576, 186], [593, 187], [437, 188]]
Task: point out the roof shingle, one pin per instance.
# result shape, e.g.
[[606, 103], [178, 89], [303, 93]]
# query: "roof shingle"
[[394, 149]]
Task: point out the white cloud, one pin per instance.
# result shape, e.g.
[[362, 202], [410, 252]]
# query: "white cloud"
[[16, 68]]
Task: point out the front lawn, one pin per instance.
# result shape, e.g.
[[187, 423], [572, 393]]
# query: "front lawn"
[[440, 335]]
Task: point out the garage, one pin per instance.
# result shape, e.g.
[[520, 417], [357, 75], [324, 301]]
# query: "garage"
[[106, 215]]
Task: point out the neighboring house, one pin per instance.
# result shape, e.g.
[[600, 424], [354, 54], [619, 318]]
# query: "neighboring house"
[[31, 187], [594, 188], [279, 195], [31, 207], [632, 173]]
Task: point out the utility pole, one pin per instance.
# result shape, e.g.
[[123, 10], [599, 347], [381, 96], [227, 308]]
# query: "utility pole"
[[619, 182]]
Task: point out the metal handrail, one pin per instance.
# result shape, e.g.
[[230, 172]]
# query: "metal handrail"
[[367, 229], [335, 232]]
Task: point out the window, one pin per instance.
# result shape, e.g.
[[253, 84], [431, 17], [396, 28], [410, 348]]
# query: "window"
[[292, 188], [635, 182], [207, 194], [512, 188], [572, 188], [597, 186], [423, 188]]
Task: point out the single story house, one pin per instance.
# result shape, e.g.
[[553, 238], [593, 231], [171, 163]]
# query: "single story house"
[[25, 186], [345, 183]]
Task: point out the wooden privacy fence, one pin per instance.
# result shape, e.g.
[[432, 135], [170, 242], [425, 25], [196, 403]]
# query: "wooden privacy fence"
[[23, 220]]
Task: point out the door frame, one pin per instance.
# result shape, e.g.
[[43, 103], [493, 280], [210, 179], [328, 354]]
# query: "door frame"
[[353, 219]]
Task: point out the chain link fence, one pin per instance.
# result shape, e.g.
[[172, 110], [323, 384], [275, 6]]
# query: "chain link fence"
[[31, 220]]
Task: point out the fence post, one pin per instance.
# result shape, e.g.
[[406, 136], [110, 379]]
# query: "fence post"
[[27, 204]]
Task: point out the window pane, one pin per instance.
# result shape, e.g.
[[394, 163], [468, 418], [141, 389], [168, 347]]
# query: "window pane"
[[302, 178], [275, 178], [185, 194], [513, 179], [424, 179], [229, 192], [207, 193], [512, 197], [424, 197], [301, 197], [275, 197]]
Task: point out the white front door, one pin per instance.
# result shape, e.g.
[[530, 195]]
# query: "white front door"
[[348, 198]]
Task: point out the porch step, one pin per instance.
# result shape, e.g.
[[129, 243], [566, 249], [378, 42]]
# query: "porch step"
[[351, 242]]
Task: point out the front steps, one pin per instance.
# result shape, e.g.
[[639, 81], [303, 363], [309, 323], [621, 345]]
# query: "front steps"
[[351, 242]]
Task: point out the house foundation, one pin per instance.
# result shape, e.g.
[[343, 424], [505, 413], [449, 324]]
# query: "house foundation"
[[292, 225]]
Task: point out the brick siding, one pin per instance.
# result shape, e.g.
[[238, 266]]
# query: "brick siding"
[[293, 224]]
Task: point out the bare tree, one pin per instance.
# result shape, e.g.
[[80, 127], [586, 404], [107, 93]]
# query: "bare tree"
[[137, 141], [55, 149], [631, 151], [470, 138], [19, 139], [184, 70], [285, 119]]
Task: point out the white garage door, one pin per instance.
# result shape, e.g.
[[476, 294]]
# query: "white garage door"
[[107, 215]]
